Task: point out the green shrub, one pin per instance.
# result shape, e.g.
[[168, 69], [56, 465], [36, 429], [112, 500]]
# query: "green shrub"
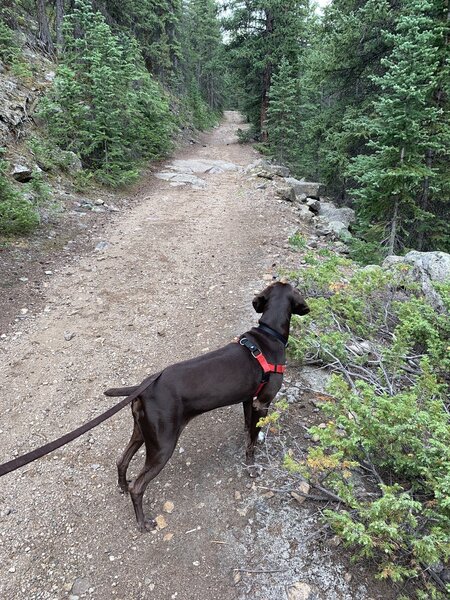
[[297, 241], [8, 47], [17, 215], [388, 415]]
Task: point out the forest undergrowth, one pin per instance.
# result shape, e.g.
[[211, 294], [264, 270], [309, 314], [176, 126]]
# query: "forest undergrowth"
[[381, 455]]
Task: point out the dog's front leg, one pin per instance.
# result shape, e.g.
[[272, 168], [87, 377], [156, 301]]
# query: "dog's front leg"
[[252, 416]]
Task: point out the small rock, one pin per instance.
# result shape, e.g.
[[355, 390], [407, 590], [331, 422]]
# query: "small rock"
[[69, 335], [304, 488], [168, 506], [99, 202], [237, 577], [268, 494], [335, 541], [265, 174], [347, 577], [101, 246], [237, 495], [168, 537], [299, 591], [80, 586]]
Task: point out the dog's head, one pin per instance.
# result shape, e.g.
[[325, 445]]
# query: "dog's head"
[[277, 292]]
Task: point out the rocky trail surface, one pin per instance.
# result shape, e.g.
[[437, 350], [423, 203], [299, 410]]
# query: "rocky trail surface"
[[173, 276]]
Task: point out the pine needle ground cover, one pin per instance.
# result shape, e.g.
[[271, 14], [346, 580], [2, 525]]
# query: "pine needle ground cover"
[[387, 417]]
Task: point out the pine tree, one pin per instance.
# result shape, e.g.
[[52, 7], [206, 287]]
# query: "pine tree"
[[206, 50], [104, 105], [283, 115], [155, 24], [262, 33], [336, 87], [397, 181]]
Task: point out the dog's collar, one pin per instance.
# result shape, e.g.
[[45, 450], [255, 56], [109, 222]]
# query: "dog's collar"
[[273, 333]]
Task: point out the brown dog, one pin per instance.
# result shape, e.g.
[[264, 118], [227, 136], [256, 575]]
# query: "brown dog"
[[226, 376]]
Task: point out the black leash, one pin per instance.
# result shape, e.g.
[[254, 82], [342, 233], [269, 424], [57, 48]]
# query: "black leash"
[[23, 460]]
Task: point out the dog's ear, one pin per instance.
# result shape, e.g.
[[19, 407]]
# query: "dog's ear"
[[259, 301], [299, 306]]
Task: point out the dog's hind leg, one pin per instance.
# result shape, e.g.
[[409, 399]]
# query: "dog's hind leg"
[[155, 461], [252, 416], [133, 446]]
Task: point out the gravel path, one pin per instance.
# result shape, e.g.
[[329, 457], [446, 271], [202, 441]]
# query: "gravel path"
[[171, 277], [175, 278]]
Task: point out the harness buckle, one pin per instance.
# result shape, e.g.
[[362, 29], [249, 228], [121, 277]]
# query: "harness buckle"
[[254, 350]]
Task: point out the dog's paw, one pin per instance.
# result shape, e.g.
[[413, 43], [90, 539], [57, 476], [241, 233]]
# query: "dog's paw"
[[124, 488], [254, 471], [147, 525], [257, 405]]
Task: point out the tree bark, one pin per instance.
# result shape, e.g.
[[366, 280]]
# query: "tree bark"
[[44, 29], [59, 22], [394, 220], [266, 80]]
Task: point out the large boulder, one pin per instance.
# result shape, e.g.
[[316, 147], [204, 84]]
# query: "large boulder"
[[266, 169], [339, 229], [71, 162], [22, 172], [310, 189], [305, 214], [426, 267], [286, 192], [313, 204], [436, 265], [332, 213], [278, 170]]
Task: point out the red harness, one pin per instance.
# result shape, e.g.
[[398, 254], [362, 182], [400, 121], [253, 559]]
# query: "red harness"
[[267, 367]]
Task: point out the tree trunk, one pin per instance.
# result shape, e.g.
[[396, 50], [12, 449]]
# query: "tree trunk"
[[59, 22], [425, 196], [44, 29], [394, 220], [266, 80], [393, 233]]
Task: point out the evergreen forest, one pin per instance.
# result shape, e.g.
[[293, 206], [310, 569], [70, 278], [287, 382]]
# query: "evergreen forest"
[[354, 96]]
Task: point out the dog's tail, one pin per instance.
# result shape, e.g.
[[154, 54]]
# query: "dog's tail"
[[125, 391]]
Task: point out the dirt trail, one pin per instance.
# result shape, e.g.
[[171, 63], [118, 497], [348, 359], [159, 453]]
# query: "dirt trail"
[[174, 277]]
